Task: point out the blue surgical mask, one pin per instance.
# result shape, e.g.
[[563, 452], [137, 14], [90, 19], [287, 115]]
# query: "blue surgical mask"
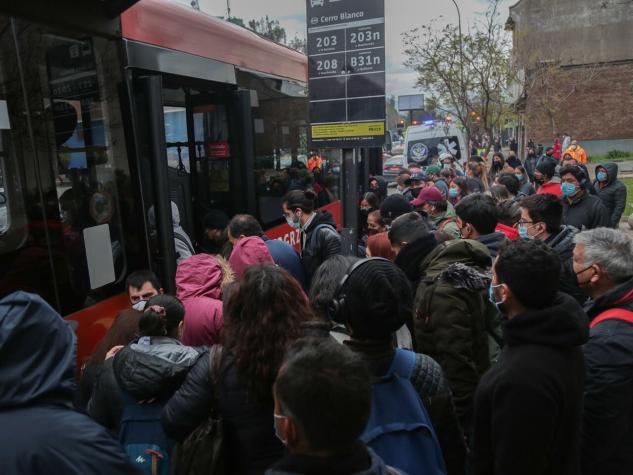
[[601, 176], [491, 295], [519, 176], [292, 223], [453, 192], [568, 189], [446, 166], [523, 231]]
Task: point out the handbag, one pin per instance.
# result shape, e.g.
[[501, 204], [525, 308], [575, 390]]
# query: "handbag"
[[203, 452]]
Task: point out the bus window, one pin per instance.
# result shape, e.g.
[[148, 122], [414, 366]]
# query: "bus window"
[[280, 124], [71, 159]]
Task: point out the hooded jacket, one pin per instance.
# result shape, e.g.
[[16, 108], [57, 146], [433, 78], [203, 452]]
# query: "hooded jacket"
[[248, 252], [447, 222], [199, 285], [452, 317], [612, 194], [40, 431], [563, 244], [318, 245], [528, 407], [585, 212], [493, 242], [360, 460], [608, 404], [151, 368], [410, 257]]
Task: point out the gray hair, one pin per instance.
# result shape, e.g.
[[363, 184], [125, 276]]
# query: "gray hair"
[[611, 249]]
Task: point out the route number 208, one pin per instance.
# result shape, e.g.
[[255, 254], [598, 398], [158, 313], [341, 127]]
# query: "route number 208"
[[327, 65]]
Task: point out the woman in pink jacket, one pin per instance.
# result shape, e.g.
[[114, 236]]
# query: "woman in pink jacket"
[[200, 283]]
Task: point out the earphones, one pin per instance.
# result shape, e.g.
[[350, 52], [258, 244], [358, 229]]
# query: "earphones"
[[336, 307]]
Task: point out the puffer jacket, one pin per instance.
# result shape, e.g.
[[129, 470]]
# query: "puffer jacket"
[[428, 380], [151, 368], [453, 319], [585, 212], [608, 404], [200, 281], [318, 246], [563, 244], [248, 425], [40, 431], [612, 194]]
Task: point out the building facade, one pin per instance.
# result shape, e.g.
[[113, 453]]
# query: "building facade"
[[576, 64]]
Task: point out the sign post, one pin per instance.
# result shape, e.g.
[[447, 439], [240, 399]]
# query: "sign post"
[[346, 71]]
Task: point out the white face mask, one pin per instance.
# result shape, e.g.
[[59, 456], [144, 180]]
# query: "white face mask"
[[140, 305]]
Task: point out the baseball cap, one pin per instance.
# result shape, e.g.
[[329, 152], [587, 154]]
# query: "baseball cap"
[[433, 170], [428, 194], [419, 176], [446, 155]]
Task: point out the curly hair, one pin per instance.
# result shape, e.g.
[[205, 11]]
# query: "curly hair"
[[264, 314]]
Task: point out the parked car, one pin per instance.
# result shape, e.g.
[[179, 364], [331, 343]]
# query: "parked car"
[[393, 166]]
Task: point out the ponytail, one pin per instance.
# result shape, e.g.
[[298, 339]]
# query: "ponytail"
[[153, 322], [162, 316]]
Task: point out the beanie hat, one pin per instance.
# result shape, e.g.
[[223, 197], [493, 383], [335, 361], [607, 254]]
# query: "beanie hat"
[[547, 167], [394, 206], [215, 219], [428, 194], [377, 300], [433, 170], [248, 252]]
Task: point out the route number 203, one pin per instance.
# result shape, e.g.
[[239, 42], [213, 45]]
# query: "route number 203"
[[326, 41]]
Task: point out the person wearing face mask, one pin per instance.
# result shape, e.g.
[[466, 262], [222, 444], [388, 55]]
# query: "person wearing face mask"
[[544, 177], [141, 285], [581, 209], [440, 211], [603, 262], [611, 191], [530, 163], [541, 219], [525, 187], [477, 219], [435, 178], [458, 189], [375, 224], [496, 167], [403, 185], [322, 404], [577, 152], [317, 229], [528, 407]]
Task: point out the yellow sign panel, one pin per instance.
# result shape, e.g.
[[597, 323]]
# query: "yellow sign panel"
[[340, 130]]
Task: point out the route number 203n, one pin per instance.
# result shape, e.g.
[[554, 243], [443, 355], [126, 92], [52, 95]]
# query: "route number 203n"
[[326, 41], [327, 65]]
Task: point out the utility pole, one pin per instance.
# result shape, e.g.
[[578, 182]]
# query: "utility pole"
[[228, 10]]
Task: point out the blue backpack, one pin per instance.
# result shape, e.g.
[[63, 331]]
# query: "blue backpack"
[[399, 429], [143, 437]]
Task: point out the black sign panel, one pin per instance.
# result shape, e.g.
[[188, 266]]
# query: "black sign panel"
[[346, 53]]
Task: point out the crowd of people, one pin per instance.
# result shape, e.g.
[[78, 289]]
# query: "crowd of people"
[[486, 328]]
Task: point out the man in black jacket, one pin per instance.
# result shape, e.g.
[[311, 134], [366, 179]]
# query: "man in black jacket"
[[581, 209], [477, 219], [322, 405], [611, 191], [603, 261], [541, 219], [528, 407], [317, 229]]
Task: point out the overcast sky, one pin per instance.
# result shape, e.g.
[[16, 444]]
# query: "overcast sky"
[[401, 15]]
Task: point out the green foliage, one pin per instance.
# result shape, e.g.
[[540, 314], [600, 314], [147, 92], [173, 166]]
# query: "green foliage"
[[300, 44], [268, 28], [618, 154]]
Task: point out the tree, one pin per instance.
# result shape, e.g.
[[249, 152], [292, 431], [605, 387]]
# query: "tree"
[[268, 28], [298, 43], [466, 74]]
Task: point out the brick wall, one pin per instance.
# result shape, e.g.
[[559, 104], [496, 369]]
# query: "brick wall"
[[597, 105]]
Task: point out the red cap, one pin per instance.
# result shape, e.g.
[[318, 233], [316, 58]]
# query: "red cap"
[[428, 194]]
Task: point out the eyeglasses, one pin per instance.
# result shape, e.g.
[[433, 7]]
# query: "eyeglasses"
[[525, 222]]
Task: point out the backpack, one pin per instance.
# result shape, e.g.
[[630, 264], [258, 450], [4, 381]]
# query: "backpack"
[[143, 438], [399, 429], [613, 314]]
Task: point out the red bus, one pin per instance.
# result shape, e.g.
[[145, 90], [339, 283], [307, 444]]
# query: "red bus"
[[105, 120]]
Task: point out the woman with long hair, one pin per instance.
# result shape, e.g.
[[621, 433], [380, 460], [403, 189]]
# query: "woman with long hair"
[[478, 179], [264, 313], [458, 189]]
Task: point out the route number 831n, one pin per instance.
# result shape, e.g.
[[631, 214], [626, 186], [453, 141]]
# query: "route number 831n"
[[326, 41]]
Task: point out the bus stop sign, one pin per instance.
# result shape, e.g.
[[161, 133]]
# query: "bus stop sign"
[[346, 56]]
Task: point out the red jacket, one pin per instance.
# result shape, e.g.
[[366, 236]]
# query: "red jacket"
[[551, 188]]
